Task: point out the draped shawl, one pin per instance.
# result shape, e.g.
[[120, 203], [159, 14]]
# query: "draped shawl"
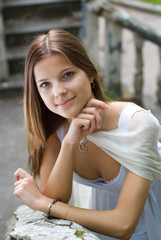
[[134, 145]]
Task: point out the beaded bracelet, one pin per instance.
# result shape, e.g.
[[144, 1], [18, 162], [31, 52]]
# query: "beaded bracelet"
[[50, 205]]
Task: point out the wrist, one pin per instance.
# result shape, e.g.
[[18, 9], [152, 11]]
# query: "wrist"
[[69, 145], [58, 209], [43, 203]]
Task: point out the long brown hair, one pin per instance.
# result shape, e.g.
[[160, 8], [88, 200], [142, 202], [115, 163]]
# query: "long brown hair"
[[40, 121]]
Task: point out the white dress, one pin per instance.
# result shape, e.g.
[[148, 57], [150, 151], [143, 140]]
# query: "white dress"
[[104, 195]]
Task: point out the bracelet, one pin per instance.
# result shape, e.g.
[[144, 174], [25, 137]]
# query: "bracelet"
[[49, 207]]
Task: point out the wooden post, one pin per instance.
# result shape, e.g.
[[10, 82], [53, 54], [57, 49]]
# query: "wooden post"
[[112, 66], [91, 40], [138, 77], [3, 56], [159, 81]]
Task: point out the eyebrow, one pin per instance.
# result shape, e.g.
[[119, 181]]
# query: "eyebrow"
[[61, 72], [42, 80], [65, 69]]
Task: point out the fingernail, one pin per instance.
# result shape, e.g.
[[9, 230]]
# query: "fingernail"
[[99, 125], [107, 106]]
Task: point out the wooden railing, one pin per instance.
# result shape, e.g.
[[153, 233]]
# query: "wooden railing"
[[115, 22]]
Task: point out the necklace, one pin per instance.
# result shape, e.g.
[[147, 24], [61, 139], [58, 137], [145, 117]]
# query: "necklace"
[[82, 147]]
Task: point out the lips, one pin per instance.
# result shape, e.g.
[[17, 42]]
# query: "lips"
[[66, 102]]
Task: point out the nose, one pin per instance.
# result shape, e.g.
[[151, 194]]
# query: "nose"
[[59, 89]]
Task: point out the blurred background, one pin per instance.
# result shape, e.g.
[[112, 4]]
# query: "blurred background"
[[123, 38]]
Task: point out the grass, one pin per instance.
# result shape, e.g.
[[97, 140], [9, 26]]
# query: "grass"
[[152, 1]]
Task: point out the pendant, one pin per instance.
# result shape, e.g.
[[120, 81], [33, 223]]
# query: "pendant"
[[82, 147]]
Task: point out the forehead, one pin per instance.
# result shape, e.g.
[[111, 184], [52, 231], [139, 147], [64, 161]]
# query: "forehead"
[[55, 59], [53, 63]]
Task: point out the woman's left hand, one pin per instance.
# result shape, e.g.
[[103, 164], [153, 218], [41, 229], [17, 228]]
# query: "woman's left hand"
[[27, 189]]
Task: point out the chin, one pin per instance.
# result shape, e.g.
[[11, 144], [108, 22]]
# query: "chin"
[[70, 115]]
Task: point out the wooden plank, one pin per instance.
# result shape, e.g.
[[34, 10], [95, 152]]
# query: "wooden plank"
[[159, 80], [140, 6], [138, 76], [123, 19]]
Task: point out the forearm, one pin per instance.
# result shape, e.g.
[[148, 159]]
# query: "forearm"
[[59, 183], [110, 222]]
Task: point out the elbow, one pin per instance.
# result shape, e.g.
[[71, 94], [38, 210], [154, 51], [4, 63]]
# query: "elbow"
[[126, 235], [126, 231], [125, 225]]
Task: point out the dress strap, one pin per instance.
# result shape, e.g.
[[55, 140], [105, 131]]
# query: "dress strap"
[[61, 133]]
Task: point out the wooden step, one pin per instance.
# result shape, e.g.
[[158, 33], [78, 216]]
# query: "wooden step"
[[18, 3], [41, 26]]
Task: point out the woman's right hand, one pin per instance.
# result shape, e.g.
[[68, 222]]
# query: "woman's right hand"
[[27, 190], [87, 121]]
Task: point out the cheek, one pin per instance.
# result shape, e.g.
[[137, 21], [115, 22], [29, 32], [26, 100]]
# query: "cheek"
[[47, 100], [86, 90], [83, 85]]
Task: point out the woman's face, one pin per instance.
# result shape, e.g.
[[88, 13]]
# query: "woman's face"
[[63, 87]]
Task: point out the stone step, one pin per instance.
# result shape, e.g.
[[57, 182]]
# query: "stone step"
[[24, 39], [13, 87], [33, 13], [25, 19], [18, 40], [18, 3], [16, 53], [41, 26]]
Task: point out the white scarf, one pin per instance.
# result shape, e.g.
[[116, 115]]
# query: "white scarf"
[[134, 145]]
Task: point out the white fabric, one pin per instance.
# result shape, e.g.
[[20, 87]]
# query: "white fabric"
[[134, 145], [135, 140], [60, 133]]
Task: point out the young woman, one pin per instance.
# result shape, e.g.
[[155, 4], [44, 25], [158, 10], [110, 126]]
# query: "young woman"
[[73, 131]]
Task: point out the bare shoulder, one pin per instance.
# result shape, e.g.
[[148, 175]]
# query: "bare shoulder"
[[113, 114], [117, 106]]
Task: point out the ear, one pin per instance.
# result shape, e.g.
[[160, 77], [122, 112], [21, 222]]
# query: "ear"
[[91, 79], [92, 83]]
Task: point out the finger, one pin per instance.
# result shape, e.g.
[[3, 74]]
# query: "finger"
[[83, 124], [17, 189], [17, 183], [96, 103], [90, 117], [100, 110], [83, 110], [20, 173], [86, 124], [92, 114], [16, 193]]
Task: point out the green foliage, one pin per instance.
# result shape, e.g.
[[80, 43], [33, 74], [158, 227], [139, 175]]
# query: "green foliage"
[[151, 1], [109, 94]]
